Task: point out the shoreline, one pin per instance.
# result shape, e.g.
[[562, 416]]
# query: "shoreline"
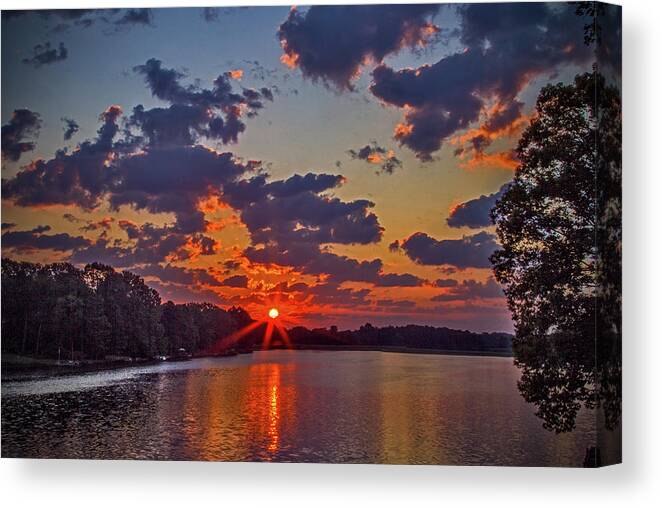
[[35, 369]]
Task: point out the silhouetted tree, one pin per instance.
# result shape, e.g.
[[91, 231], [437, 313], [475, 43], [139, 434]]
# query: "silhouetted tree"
[[559, 227]]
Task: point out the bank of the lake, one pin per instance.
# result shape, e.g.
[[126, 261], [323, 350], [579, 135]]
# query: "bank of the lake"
[[16, 368]]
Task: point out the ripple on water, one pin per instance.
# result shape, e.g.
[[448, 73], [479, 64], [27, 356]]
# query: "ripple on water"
[[304, 406]]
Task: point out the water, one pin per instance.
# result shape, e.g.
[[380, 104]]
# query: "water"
[[303, 406]]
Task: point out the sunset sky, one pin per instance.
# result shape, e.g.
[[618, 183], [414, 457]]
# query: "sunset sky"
[[340, 161]]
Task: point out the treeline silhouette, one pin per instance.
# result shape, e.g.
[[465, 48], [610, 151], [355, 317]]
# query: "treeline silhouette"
[[410, 336], [60, 311]]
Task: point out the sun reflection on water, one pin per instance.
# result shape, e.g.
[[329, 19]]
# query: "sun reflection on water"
[[274, 436]]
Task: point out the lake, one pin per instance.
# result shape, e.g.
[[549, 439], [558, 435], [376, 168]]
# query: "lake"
[[301, 406]]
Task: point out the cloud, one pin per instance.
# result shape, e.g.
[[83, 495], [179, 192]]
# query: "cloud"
[[84, 18], [332, 294], [504, 47], [178, 275], [309, 259], [332, 43], [173, 180], [34, 239], [8, 225], [446, 282], [41, 228], [291, 222], [186, 294], [71, 218], [471, 289], [401, 304], [215, 113], [78, 178], [298, 184], [374, 154], [398, 280], [70, 128], [467, 252], [210, 14], [149, 244], [135, 17], [239, 281], [45, 55], [23, 123], [475, 213], [103, 224]]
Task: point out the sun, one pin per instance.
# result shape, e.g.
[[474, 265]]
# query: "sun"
[[273, 313]]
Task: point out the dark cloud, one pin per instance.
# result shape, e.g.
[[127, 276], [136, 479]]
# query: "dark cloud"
[[475, 213], [446, 282], [298, 184], [84, 18], [150, 244], [398, 280], [44, 54], [210, 14], [333, 295], [332, 43], [239, 281], [400, 304], [78, 178], [178, 275], [311, 218], [504, 46], [215, 113], [469, 290], [231, 265], [62, 14], [186, 293], [35, 240], [377, 155], [70, 128], [467, 252], [311, 260], [23, 123], [8, 225], [135, 17], [394, 246], [71, 218], [173, 180], [41, 228], [103, 224]]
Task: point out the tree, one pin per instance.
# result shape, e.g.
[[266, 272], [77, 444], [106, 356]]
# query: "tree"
[[559, 224]]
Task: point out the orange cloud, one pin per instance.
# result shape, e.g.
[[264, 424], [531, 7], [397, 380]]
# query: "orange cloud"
[[374, 158], [403, 130], [501, 160], [236, 74], [290, 59]]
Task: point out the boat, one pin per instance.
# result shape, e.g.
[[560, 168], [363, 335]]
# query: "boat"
[[180, 355]]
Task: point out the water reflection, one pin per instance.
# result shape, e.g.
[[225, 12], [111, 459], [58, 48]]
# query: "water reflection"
[[293, 406], [273, 416]]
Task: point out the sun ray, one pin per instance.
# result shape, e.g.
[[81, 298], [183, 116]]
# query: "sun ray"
[[267, 335], [285, 335], [236, 336]]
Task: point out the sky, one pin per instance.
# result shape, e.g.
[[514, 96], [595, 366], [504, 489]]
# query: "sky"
[[336, 162]]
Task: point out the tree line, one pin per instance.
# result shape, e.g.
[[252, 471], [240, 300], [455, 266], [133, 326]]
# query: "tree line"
[[57, 310], [60, 311]]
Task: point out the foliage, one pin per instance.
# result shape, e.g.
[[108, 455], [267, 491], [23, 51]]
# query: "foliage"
[[57, 310], [559, 224]]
